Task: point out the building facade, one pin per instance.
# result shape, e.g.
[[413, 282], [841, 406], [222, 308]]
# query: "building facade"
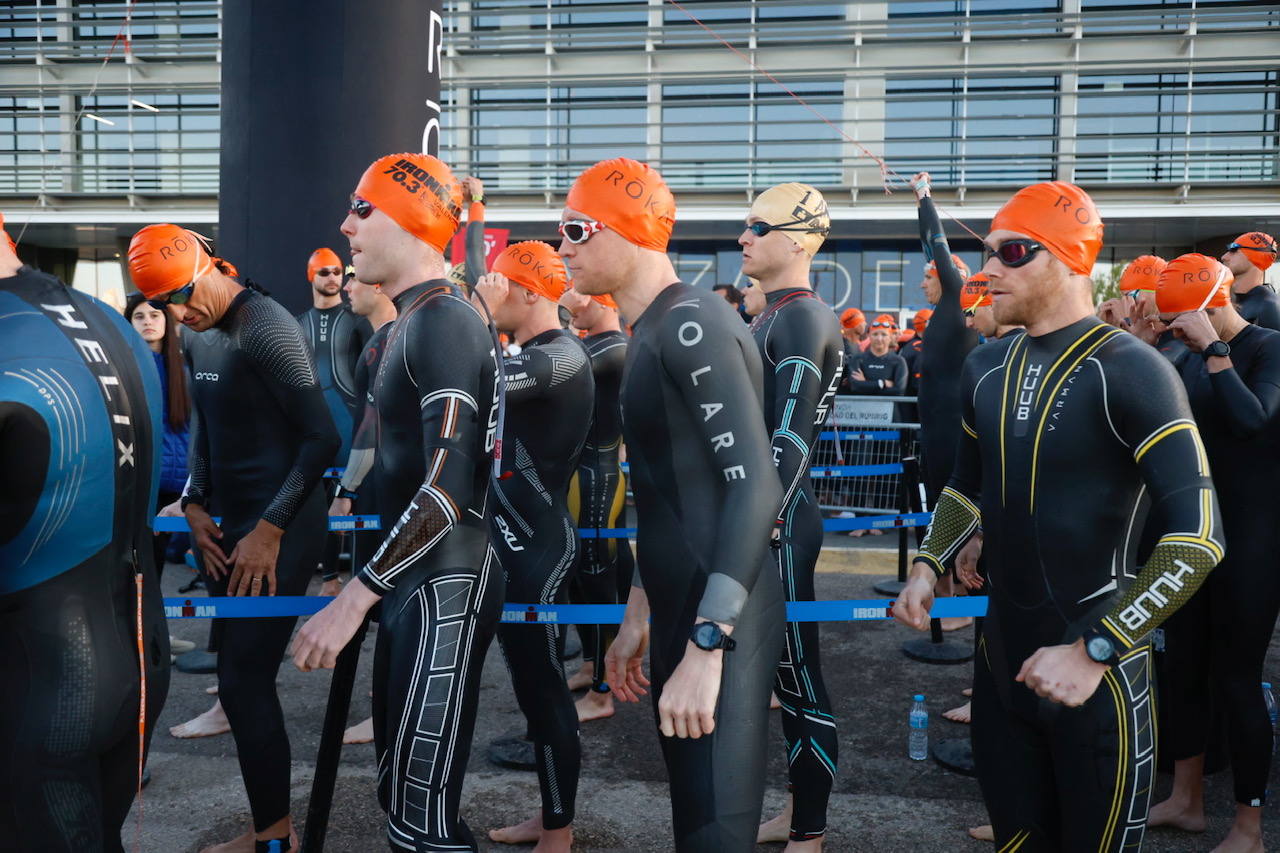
[[1167, 112]]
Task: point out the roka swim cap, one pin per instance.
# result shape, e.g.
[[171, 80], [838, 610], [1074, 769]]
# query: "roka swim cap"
[[1259, 248], [535, 266], [164, 257], [797, 210], [974, 294], [629, 197], [418, 192], [1059, 216], [852, 318], [1193, 282], [320, 259], [1142, 273]]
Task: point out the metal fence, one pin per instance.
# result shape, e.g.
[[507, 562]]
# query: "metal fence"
[[864, 459]]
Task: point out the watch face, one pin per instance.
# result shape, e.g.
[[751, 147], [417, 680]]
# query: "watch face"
[[1100, 649], [706, 636]]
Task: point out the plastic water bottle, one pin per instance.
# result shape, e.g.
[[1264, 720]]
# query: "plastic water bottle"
[[918, 740], [1272, 711]]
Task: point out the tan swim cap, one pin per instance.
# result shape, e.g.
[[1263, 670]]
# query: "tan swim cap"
[[797, 210]]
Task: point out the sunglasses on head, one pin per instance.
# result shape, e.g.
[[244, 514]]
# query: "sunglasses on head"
[[177, 297], [578, 231], [360, 208], [1012, 253]]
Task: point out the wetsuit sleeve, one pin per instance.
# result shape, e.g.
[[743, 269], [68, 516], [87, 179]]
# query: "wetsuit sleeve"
[[199, 484], [1249, 407], [956, 516], [1157, 428], [947, 331], [537, 370], [446, 372], [476, 256], [288, 372], [858, 386], [711, 376], [899, 384], [799, 386], [363, 434]]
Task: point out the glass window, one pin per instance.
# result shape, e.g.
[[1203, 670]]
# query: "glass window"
[[29, 145], [174, 150]]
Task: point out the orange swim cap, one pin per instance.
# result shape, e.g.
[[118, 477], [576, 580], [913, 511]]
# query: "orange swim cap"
[[1142, 273], [974, 294], [932, 267], [921, 320], [418, 192], [320, 259], [534, 265], [164, 257], [885, 320], [629, 197], [906, 335], [13, 247], [1059, 216], [852, 318], [1259, 248], [1193, 282], [605, 299]]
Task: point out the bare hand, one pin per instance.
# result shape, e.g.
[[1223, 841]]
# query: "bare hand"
[[472, 188], [1196, 329], [493, 288], [206, 535], [1145, 328], [173, 510], [1062, 674], [920, 185], [688, 704], [1114, 312], [624, 662], [857, 374], [916, 599], [254, 561], [967, 563], [340, 506], [324, 635]]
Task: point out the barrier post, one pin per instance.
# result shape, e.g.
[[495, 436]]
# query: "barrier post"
[[905, 484]]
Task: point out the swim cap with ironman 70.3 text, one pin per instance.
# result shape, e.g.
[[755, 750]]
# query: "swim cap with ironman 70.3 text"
[[418, 192]]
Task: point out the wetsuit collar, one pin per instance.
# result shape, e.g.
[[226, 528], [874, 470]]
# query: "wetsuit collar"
[[234, 308], [406, 297], [544, 337], [775, 296], [1066, 333]]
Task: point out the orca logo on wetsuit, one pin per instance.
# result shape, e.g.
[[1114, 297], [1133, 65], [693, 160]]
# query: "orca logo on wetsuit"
[[212, 377]]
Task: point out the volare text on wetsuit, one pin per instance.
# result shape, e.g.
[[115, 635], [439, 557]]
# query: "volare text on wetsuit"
[[690, 333]]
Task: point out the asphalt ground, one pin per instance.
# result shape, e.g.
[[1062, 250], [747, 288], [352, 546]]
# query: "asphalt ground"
[[883, 800]]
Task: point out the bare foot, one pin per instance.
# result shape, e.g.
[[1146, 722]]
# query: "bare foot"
[[211, 722], [359, 733], [813, 845], [244, 844], [774, 704], [582, 679], [956, 623], [958, 715], [531, 831], [968, 691], [331, 587], [594, 706], [982, 833], [776, 830], [212, 691], [1180, 814], [1239, 841]]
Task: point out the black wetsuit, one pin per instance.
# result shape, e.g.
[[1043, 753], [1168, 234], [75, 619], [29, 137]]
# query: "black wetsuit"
[[598, 498], [550, 394], [436, 394], [910, 353], [707, 495], [359, 475], [1219, 639], [1063, 455], [799, 340], [941, 361], [882, 374], [261, 440], [1260, 306], [80, 433], [1170, 347]]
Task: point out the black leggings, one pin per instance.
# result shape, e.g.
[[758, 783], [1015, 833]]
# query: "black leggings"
[[598, 498], [69, 707], [435, 628], [1215, 645], [1066, 779], [807, 722], [536, 574], [717, 780], [249, 656]]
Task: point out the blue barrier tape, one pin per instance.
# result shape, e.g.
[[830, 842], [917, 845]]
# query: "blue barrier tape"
[[830, 435], [857, 610], [878, 522], [178, 523], [854, 471]]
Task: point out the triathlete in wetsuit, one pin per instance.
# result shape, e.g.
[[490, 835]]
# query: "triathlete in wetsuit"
[[437, 578], [883, 371], [949, 342], [598, 489], [80, 427], [260, 443], [707, 495], [1217, 642], [802, 354], [1058, 452], [550, 394], [1248, 257]]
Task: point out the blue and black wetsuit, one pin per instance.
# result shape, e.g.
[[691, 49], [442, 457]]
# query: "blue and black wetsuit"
[[707, 496], [80, 430], [261, 441], [436, 394], [598, 499], [1057, 459], [550, 394], [799, 340]]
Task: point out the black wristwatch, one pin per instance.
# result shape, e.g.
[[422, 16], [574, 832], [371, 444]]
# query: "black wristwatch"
[[189, 499], [1217, 349], [708, 637], [1099, 648]]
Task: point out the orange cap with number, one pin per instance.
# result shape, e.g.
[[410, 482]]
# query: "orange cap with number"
[[1142, 273], [974, 294], [1259, 248], [629, 197], [1059, 216], [418, 192], [320, 259], [164, 257], [535, 266], [1193, 282]]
